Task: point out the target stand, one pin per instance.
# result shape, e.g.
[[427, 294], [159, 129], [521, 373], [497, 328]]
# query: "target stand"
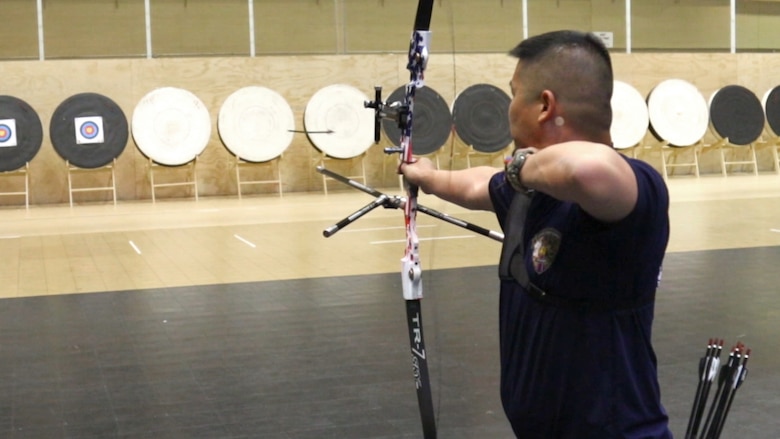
[[671, 156], [75, 170], [472, 153], [23, 172], [191, 178], [274, 165], [776, 154], [747, 153]]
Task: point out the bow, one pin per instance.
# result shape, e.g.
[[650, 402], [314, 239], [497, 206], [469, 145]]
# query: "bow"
[[411, 270]]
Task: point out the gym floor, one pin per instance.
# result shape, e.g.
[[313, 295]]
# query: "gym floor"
[[228, 318]]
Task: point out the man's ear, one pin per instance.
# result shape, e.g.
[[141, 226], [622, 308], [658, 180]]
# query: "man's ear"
[[548, 106]]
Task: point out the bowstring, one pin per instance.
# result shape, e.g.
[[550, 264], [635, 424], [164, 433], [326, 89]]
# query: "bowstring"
[[437, 230]]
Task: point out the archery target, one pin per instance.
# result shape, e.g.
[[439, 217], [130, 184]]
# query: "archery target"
[[21, 133], [679, 114], [337, 122], [630, 118], [88, 130], [771, 103], [171, 126], [432, 120], [7, 133], [256, 124], [736, 114], [480, 114]]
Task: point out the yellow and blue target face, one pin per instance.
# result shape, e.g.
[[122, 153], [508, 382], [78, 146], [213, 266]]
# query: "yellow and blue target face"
[[89, 130], [7, 132]]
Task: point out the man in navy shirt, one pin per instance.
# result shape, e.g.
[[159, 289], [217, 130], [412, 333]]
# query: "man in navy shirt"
[[586, 231]]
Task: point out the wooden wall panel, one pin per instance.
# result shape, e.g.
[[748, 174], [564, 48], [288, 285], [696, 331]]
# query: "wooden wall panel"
[[44, 85]]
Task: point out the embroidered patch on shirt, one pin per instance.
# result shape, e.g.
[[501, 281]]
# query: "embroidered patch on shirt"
[[545, 247]]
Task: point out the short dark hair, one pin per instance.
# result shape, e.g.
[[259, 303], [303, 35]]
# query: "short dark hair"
[[577, 68]]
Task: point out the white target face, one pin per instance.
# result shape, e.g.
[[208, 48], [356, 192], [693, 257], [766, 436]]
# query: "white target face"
[[771, 111], [171, 126], [338, 123], [679, 114], [630, 118], [256, 124], [7, 133]]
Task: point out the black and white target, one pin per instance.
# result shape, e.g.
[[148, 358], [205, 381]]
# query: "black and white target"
[[171, 126], [630, 118], [736, 114], [338, 123], [88, 130], [256, 124], [771, 102], [679, 114], [21, 133], [480, 115], [432, 120]]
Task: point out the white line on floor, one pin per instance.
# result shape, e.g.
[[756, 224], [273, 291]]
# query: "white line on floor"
[[775, 230], [135, 247], [396, 241], [245, 241]]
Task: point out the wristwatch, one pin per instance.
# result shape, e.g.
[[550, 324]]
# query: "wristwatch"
[[513, 166]]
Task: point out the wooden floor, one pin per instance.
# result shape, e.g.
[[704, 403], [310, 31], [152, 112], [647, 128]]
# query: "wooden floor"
[[134, 245], [237, 319]]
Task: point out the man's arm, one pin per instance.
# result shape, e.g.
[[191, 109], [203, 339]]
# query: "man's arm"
[[592, 175], [467, 188]]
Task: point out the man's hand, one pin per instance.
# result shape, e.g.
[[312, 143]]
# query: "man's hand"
[[418, 172]]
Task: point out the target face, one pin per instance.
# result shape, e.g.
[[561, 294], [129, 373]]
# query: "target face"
[[480, 115], [89, 130], [630, 117], [338, 123], [171, 126], [256, 123], [736, 114], [7, 133], [679, 114]]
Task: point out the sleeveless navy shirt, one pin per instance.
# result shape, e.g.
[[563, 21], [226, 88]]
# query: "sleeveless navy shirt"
[[584, 373]]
